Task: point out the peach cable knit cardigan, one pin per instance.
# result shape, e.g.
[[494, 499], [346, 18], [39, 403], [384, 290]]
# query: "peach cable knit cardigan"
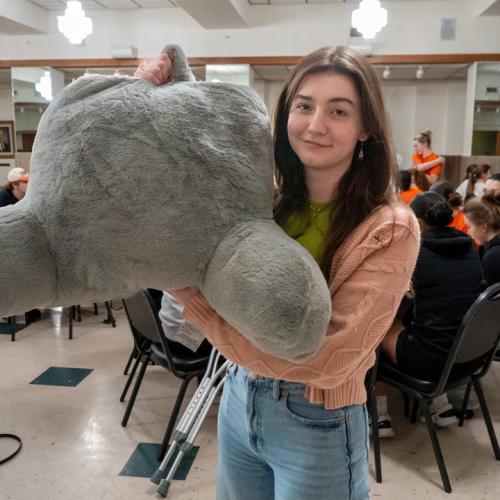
[[370, 273]]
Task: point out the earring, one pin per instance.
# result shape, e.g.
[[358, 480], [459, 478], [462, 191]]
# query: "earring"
[[361, 154]]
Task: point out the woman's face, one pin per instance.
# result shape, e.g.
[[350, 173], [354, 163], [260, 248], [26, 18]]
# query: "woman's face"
[[478, 232], [324, 124], [418, 147]]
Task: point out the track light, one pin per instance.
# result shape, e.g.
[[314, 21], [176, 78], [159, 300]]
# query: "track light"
[[386, 73], [420, 72]]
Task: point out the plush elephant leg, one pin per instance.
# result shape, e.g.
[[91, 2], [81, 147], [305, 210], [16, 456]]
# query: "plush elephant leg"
[[257, 280], [27, 273]]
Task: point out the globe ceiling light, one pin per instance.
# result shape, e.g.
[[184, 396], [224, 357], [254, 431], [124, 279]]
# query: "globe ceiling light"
[[370, 18], [44, 86], [74, 25]]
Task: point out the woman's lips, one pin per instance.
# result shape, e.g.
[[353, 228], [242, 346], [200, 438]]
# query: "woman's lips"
[[316, 144]]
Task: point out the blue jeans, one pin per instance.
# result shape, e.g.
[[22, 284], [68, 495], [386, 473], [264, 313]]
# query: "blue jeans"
[[275, 445]]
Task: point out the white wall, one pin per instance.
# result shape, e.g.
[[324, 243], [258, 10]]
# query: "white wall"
[[413, 28], [418, 106]]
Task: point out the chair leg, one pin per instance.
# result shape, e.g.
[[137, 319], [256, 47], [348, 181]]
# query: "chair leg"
[[414, 411], [137, 385], [437, 449], [130, 378], [79, 313], [406, 400], [464, 405], [375, 436], [13, 331], [129, 362], [487, 419], [70, 325], [110, 319], [173, 418]]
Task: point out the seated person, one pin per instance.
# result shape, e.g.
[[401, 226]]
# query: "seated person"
[[446, 282], [445, 189], [408, 188], [483, 218], [473, 184], [17, 183]]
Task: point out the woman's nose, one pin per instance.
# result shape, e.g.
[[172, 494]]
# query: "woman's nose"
[[317, 125]]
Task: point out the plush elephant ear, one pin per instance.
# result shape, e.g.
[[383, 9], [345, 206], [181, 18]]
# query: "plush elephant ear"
[[181, 70]]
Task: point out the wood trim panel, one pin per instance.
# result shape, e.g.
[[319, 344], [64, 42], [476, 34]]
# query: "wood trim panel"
[[257, 60]]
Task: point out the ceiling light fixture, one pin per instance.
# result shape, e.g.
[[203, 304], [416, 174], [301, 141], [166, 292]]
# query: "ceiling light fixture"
[[44, 86], [369, 18], [386, 73], [74, 25], [420, 72]]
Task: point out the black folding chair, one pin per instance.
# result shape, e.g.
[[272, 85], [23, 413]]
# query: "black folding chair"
[[476, 339], [153, 345]]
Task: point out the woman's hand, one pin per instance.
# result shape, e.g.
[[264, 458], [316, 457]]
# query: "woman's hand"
[[184, 295], [157, 71]]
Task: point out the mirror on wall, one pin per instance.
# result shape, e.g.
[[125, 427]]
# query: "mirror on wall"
[[486, 125]]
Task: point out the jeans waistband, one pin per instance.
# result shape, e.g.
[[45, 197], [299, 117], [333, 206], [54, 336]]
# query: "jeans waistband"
[[275, 385]]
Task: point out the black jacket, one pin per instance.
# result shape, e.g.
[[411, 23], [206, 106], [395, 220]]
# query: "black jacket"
[[491, 261], [446, 281], [7, 198]]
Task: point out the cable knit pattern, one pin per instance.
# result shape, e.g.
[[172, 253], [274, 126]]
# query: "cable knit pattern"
[[370, 273]]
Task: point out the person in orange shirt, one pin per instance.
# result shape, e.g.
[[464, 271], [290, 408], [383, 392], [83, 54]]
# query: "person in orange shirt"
[[424, 160], [408, 187], [445, 189]]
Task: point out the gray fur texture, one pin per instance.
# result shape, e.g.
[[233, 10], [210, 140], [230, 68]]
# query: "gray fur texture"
[[136, 186]]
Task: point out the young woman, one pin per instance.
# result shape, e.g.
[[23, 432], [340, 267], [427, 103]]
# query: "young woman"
[[424, 160], [293, 431], [473, 185], [408, 187], [446, 281], [483, 218], [445, 189]]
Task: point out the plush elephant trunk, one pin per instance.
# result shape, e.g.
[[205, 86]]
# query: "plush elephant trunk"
[[268, 287], [27, 271]]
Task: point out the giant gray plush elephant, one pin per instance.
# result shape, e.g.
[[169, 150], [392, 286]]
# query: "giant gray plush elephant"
[[136, 186]]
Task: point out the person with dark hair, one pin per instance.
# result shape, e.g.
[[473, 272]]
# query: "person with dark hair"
[[474, 183], [483, 218], [424, 160], [446, 281], [445, 189], [300, 429], [408, 188]]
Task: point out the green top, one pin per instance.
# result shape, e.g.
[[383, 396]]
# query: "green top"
[[310, 227]]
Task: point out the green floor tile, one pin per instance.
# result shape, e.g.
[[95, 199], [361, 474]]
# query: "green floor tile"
[[144, 462], [6, 329], [67, 377]]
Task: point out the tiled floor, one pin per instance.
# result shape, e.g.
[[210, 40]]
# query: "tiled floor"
[[75, 448]]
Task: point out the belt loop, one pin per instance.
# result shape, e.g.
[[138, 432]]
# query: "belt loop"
[[276, 389]]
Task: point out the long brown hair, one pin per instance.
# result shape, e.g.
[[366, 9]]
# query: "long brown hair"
[[484, 210], [369, 182]]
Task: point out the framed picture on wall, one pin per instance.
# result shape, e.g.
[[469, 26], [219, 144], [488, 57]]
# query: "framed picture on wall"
[[7, 139]]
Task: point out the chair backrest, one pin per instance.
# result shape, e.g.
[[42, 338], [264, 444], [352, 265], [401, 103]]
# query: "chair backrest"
[[478, 334], [141, 316]]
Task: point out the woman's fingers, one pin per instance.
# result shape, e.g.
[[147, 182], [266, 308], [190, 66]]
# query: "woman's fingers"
[[157, 71]]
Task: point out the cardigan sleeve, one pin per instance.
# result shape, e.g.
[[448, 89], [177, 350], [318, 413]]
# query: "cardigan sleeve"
[[366, 291]]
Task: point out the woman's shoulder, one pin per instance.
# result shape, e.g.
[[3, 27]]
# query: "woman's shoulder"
[[385, 225]]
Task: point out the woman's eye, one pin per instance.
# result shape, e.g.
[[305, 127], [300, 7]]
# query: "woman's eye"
[[339, 113], [303, 107]]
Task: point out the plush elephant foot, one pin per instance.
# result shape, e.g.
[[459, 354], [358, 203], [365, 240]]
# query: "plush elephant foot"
[[270, 289], [27, 273]]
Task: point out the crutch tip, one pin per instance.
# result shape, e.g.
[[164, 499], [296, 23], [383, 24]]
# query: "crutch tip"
[[163, 489], [156, 477]]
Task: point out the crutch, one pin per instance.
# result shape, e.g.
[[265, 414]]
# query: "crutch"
[[210, 377]]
